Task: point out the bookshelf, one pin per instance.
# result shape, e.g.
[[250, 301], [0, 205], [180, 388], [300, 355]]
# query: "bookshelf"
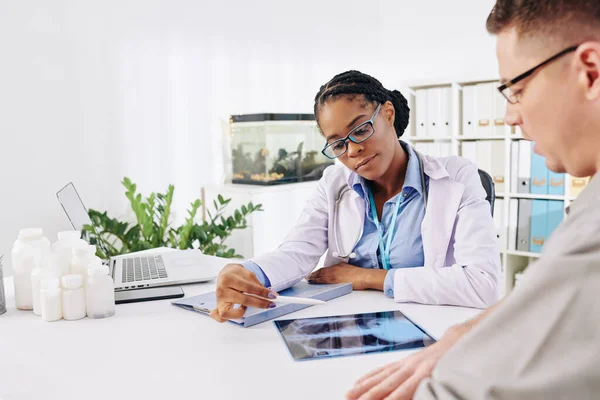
[[453, 134]]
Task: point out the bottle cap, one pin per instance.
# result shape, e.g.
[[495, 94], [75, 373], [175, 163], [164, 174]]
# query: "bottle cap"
[[31, 233], [72, 281], [94, 262]]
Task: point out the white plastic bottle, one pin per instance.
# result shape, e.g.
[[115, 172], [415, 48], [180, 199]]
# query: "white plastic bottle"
[[51, 300], [73, 297], [82, 256], [63, 248], [51, 269], [99, 293], [31, 250]]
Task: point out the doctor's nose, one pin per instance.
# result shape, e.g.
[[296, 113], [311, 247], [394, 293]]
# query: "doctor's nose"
[[354, 149]]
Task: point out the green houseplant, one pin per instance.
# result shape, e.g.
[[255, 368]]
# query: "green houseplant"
[[153, 229]]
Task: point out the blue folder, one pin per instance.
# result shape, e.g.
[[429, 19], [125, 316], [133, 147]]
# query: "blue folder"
[[253, 316], [539, 174], [556, 183], [539, 225], [556, 211]]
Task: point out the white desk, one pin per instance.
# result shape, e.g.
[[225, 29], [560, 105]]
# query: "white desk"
[[155, 350]]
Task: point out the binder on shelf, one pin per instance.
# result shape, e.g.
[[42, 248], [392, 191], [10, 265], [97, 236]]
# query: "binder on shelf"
[[422, 147], [434, 118], [469, 110], [484, 155], [555, 215], [446, 112], [445, 149], [499, 112], [469, 151], [434, 149], [524, 224], [539, 225], [499, 222], [498, 154], [513, 215], [539, 174], [421, 106], [556, 183], [576, 185], [485, 105], [524, 175], [514, 166]]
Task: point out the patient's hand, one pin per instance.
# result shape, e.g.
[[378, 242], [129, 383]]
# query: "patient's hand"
[[361, 278]]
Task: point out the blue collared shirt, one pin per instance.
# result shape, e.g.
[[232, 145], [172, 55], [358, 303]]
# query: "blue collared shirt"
[[407, 243]]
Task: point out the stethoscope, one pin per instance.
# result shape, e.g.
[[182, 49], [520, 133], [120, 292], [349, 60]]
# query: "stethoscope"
[[345, 190]]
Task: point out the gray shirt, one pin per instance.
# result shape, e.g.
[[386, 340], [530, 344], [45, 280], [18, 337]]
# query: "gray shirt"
[[543, 342]]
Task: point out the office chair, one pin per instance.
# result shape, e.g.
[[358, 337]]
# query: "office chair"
[[488, 185]]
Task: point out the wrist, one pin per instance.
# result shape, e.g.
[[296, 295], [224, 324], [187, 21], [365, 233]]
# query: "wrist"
[[375, 278]]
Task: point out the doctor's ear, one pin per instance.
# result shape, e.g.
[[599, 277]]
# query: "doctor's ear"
[[388, 112]]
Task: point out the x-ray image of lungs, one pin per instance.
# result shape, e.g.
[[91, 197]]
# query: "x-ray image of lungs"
[[345, 335]]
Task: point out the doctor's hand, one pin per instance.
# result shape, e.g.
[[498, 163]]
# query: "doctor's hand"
[[232, 281], [361, 278], [400, 380]]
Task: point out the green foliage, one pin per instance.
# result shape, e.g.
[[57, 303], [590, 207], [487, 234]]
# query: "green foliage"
[[153, 228]]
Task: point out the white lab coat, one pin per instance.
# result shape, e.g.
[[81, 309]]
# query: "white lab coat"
[[462, 258]]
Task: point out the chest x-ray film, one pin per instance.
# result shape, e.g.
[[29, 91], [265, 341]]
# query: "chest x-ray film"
[[347, 335]]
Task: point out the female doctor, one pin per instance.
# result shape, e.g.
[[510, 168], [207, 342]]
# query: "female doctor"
[[416, 227]]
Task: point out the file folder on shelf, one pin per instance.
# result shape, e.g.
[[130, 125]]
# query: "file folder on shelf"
[[499, 222], [421, 106], [576, 185], [499, 112], [524, 225], [513, 215], [446, 112], [204, 303], [469, 110], [484, 155], [539, 174], [485, 104], [497, 165], [556, 183], [469, 151], [539, 225], [514, 166], [556, 210], [434, 128], [524, 166]]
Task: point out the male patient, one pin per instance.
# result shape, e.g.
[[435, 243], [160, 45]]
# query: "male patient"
[[543, 340]]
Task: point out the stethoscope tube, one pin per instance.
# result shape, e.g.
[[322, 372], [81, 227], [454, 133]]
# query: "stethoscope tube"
[[346, 189]]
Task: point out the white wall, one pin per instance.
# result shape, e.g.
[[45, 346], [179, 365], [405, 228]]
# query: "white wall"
[[94, 91]]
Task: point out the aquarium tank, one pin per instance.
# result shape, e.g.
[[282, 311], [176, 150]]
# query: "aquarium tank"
[[271, 149]]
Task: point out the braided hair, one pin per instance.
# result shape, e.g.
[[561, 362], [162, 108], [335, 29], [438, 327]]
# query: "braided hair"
[[354, 83]]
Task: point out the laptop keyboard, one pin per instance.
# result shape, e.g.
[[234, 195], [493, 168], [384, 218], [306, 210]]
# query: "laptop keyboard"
[[139, 269]]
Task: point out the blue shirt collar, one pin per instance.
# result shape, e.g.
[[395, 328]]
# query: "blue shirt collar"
[[412, 179]]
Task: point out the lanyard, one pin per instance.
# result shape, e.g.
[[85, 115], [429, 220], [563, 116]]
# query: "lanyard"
[[384, 249]]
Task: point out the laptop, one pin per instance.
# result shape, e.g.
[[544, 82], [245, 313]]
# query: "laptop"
[[149, 268]]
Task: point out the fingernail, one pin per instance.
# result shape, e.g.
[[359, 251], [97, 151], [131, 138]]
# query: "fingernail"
[[272, 295], [272, 305]]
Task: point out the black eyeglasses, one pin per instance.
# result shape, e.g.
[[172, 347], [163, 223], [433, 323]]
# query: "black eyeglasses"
[[513, 98], [358, 134]]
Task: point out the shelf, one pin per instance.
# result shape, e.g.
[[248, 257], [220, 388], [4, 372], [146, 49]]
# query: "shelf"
[[495, 137], [500, 194], [523, 254], [537, 196], [517, 137], [430, 139]]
